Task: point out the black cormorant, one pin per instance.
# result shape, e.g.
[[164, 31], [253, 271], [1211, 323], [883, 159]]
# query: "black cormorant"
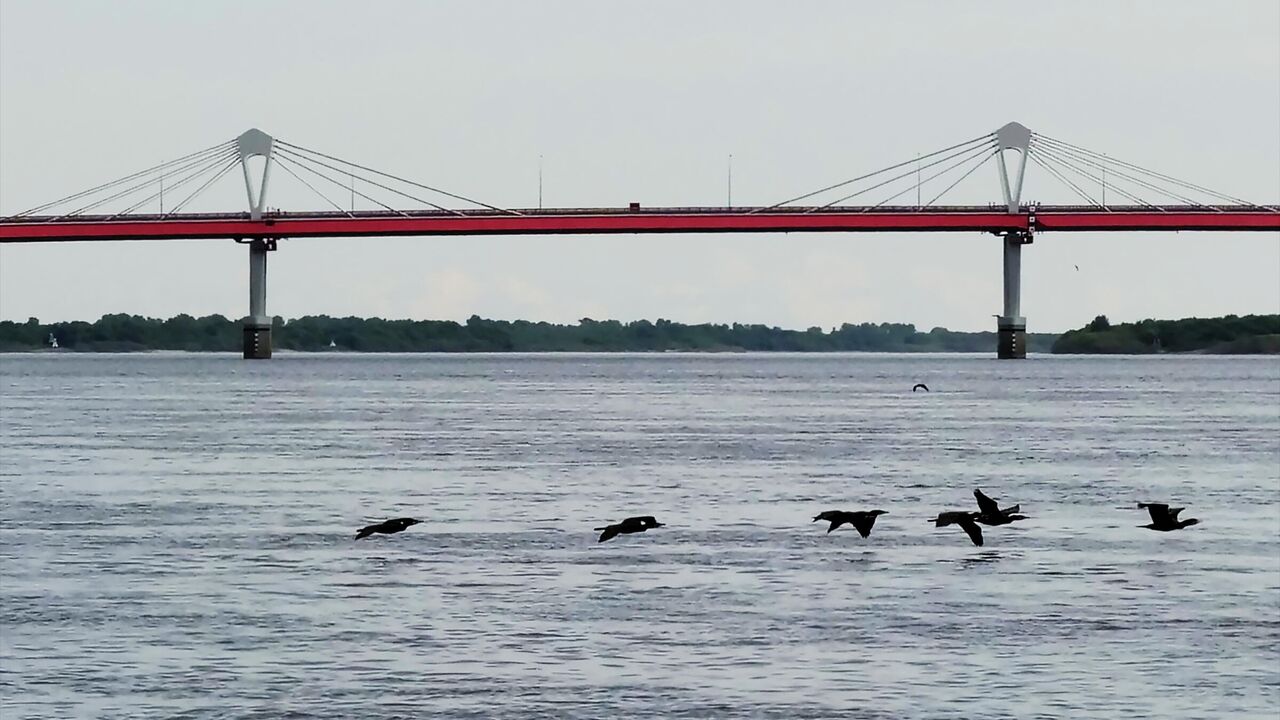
[[387, 527], [965, 520], [1165, 518], [863, 520], [991, 514], [628, 526]]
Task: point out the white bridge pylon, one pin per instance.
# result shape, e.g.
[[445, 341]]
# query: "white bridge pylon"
[[1011, 326], [255, 143], [1013, 136], [257, 326]]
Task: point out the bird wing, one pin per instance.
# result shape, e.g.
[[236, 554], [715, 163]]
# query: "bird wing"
[[1159, 511], [837, 522], [975, 532], [864, 524], [986, 504], [609, 532], [1173, 513], [918, 386], [949, 517]]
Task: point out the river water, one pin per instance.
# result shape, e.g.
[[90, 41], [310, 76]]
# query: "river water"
[[176, 536]]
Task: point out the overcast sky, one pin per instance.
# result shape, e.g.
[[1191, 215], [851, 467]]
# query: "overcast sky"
[[642, 101]]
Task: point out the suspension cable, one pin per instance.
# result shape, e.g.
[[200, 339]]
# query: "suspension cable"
[[299, 178], [1048, 155], [882, 183], [146, 183], [1085, 173], [988, 137], [1083, 159], [399, 179], [934, 176], [1162, 176], [375, 201], [179, 183], [984, 161], [226, 168], [302, 158], [1065, 181], [215, 149]]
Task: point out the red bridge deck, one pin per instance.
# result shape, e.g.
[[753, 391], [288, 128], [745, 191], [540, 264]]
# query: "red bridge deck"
[[642, 220]]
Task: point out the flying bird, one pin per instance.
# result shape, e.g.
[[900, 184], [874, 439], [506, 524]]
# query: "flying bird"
[[990, 512], [628, 526], [863, 520], [386, 527], [965, 520], [920, 386], [1165, 518]]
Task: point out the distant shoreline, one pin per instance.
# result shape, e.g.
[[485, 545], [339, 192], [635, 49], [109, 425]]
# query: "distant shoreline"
[[1229, 335], [132, 333], [149, 351], [550, 353]]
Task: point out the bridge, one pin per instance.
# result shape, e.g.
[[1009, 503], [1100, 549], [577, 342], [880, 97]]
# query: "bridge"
[[1153, 201]]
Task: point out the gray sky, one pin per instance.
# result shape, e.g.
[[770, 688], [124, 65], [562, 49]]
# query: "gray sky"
[[642, 102]]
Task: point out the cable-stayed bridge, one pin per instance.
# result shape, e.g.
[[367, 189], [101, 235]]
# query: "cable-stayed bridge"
[[132, 207]]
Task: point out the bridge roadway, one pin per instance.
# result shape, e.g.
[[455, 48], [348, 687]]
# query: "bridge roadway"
[[275, 225]]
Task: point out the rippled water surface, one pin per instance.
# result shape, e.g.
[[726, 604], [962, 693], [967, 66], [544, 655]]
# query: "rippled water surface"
[[176, 537]]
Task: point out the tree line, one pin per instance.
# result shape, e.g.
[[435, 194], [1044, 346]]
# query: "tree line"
[[1229, 334], [122, 333]]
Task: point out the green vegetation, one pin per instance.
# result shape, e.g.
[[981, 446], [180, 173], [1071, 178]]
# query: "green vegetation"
[[121, 333], [1228, 335], [125, 333]]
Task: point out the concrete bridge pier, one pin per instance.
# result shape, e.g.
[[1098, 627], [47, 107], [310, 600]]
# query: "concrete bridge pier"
[[1011, 327], [257, 327]]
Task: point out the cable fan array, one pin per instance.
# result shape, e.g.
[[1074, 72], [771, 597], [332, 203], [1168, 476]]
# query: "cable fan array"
[[972, 153], [211, 164], [935, 174], [189, 176], [1079, 168], [315, 163], [1090, 175]]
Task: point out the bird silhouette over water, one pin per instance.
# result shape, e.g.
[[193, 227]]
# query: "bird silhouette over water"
[[860, 519], [919, 386], [386, 527], [628, 526], [1165, 518], [965, 520], [990, 512]]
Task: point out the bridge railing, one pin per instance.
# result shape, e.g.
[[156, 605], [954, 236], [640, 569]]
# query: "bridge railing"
[[655, 210]]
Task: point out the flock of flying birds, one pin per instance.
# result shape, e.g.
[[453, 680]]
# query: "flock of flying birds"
[[1163, 518]]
